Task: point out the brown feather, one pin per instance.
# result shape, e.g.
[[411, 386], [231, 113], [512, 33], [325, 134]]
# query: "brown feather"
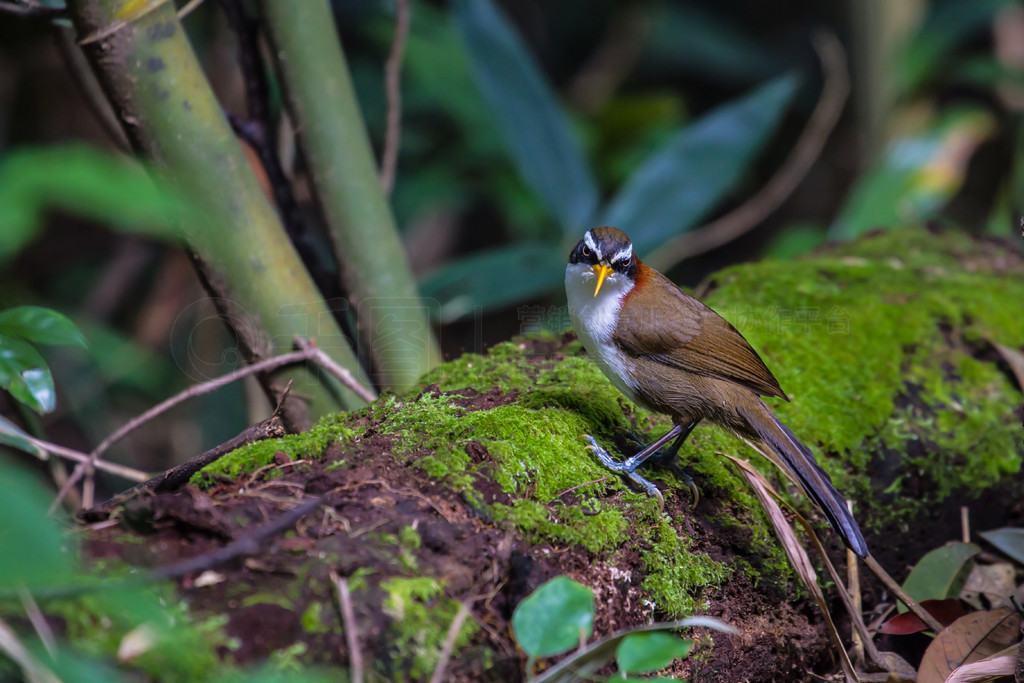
[[660, 323]]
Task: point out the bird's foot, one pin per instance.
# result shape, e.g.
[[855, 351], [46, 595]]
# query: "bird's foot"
[[627, 467]]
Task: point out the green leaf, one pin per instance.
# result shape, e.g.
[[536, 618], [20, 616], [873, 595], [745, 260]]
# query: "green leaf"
[[679, 184], [85, 182], [34, 550], [535, 128], [642, 653], [40, 325], [554, 618], [941, 573], [594, 657], [1009, 541], [494, 278], [24, 373]]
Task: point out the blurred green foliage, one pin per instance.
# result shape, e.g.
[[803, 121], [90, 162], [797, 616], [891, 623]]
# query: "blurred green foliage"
[[86, 182], [668, 193]]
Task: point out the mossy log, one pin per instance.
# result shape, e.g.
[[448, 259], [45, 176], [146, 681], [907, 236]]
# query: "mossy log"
[[475, 486]]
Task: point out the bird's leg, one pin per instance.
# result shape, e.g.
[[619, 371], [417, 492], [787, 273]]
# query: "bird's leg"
[[628, 466], [667, 457]]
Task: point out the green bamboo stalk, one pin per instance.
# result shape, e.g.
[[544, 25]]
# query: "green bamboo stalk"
[[150, 74], [393, 322]]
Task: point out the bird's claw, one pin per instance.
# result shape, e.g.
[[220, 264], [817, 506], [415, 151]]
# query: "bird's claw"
[[628, 468]]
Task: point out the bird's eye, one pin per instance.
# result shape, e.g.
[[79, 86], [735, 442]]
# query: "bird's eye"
[[586, 251], [625, 264]]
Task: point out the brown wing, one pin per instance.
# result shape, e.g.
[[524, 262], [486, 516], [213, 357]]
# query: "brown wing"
[[676, 330]]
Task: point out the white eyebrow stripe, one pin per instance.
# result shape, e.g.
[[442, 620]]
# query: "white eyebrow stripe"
[[589, 239], [622, 254]]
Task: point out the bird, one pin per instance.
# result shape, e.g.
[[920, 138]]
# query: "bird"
[[669, 353]]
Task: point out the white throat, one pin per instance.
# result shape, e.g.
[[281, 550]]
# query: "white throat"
[[595, 317]]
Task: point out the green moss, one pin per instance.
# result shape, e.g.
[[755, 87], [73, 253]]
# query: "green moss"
[[859, 338], [331, 429], [313, 619], [597, 529], [853, 334], [409, 538], [674, 574], [420, 618]]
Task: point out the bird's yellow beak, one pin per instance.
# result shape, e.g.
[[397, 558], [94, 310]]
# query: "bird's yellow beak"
[[602, 272]]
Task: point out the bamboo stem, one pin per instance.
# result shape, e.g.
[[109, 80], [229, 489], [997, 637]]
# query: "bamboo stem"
[[393, 321]]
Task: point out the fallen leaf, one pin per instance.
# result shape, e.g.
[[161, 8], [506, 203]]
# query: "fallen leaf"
[[994, 581], [945, 611], [970, 638], [1004, 665]]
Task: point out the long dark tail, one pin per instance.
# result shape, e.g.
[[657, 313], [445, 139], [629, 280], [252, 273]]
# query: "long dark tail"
[[799, 459]]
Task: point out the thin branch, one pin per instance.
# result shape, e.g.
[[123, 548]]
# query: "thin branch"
[[348, 616], [329, 364], [898, 591], [248, 544], [449, 643], [308, 352], [129, 473], [786, 179], [176, 477], [607, 67], [853, 590], [393, 86]]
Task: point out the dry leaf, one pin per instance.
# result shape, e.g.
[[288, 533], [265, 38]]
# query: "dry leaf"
[[994, 581], [970, 638], [798, 558], [984, 670]]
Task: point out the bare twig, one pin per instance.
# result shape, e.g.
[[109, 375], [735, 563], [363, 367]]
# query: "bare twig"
[[129, 473], [329, 364], [853, 587], [625, 36], [348, 616], [965, 524], [248, 544], [393, 86], [176, 477], [449, 643], [787, 177], [308, 352], [898, 591], [579, 486]]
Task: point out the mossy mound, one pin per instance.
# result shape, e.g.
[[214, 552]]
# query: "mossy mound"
[[884, 345]]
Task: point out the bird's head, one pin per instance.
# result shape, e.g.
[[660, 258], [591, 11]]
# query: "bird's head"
[[604, 254]]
